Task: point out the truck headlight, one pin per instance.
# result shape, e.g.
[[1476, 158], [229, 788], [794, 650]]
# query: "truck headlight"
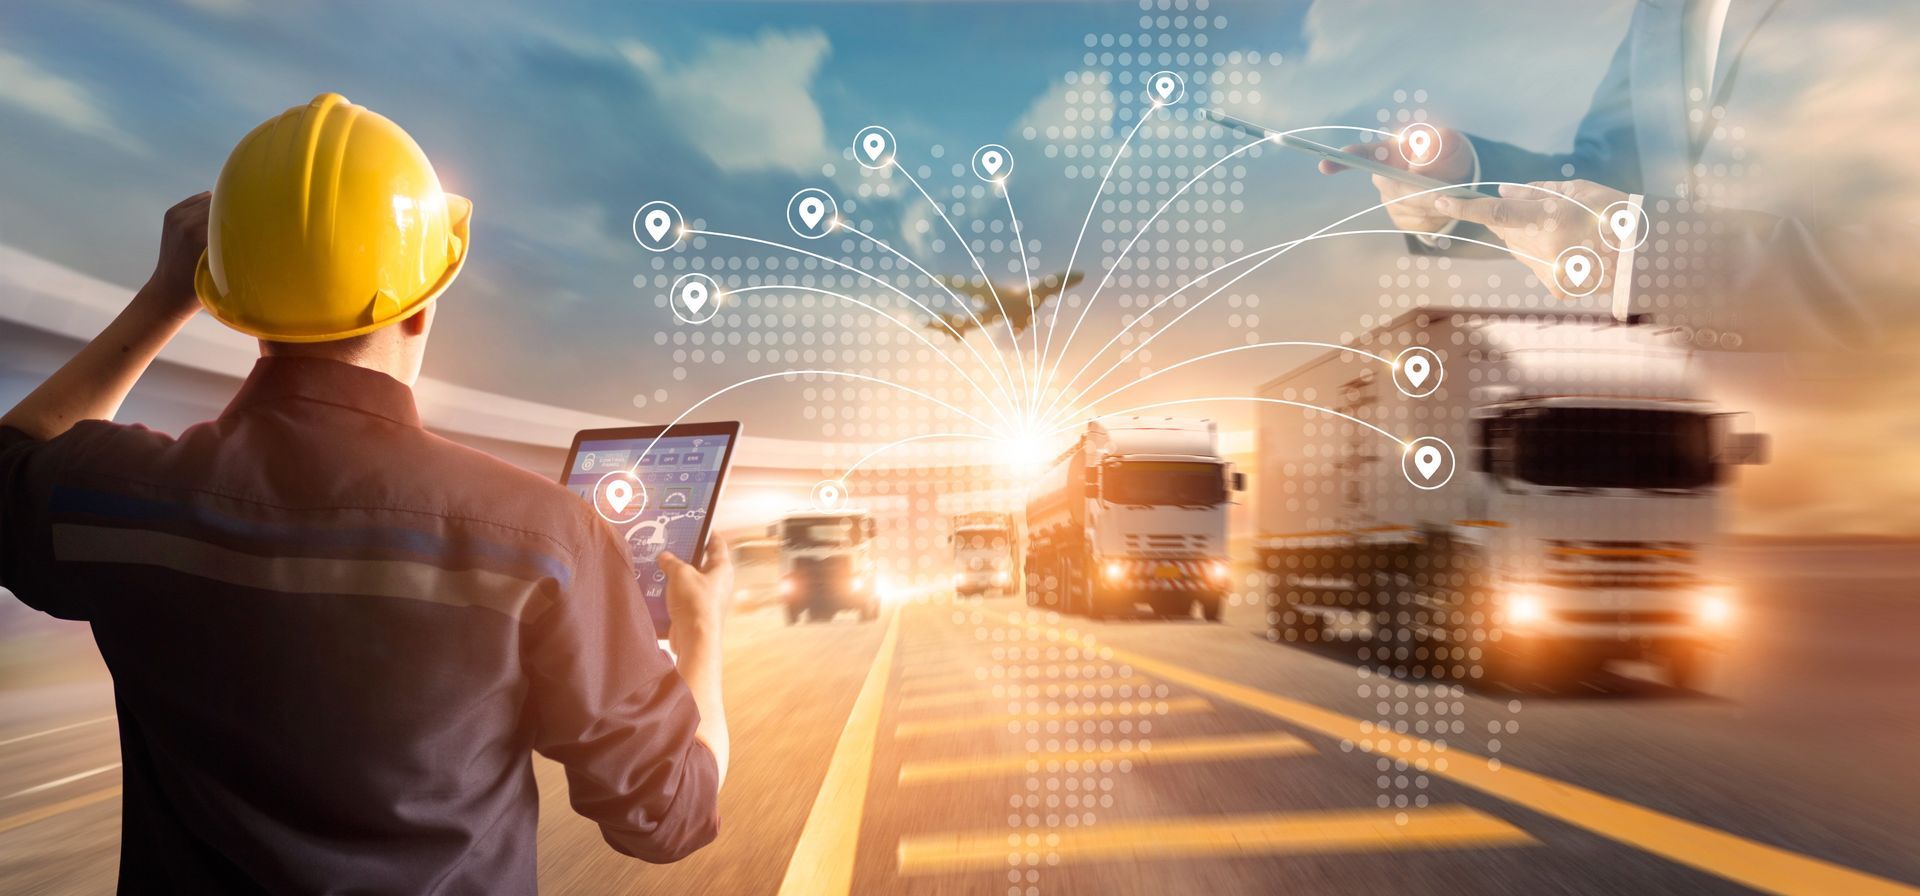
[[1715, 610], [1002, 577], [1217, 571], [1115, 571], [786, 586], [1525, 610], [959, 578], [859, 583]]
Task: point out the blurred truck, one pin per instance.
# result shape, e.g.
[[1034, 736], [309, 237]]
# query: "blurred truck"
[[986, 553], [827, 564], [756, 573], [1135, 512], [1582, 525]]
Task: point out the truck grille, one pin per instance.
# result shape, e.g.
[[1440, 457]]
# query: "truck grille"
[[808, 569], [1644, 565], [1165, 544], [1624, 617], [1165, 575]]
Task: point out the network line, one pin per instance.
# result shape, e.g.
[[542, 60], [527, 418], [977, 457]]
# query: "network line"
[[786, 373], [1142, 229], [1298, 404], [911, 330], [1073, 413], [1059, 301], [1006, 391], [991, 289], [843, 265], [910, 439], [1283, 248]]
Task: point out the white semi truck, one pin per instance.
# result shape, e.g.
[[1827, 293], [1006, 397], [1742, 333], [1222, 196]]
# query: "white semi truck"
[[1135, 512], [986, 553], [1581, 525], [828, 564]]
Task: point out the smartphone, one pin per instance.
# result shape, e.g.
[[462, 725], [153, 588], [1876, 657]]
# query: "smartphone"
[[1351, 160], [658, 487]]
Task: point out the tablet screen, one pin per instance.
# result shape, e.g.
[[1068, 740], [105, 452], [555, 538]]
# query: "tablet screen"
[[679, 478]]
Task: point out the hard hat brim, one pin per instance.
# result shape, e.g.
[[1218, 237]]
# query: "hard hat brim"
[[459, 224]]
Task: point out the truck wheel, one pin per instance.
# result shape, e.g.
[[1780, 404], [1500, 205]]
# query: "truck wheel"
[[869, 612], [793, 614], [1210, 608]]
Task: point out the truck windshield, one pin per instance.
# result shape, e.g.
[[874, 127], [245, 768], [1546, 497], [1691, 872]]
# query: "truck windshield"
[[756, 552], [820, 532], [980, 541], [1613, 448], [1181, 483]]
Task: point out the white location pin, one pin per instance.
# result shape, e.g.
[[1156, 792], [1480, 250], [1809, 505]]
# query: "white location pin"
[[695, 298], [657, 226], [812, 214], [1578, 269], [1420, 141], [828, 494], [1624, 222], [1426, 460], [694, 294], [1163, 86], [873, 147], [619, 495], [990, 160], [1416, 368]]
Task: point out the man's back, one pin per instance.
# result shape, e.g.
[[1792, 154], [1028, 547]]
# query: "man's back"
[[335, 638]]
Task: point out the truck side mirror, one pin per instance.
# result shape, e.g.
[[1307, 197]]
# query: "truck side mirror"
[[1748, 448], [1239, 482]]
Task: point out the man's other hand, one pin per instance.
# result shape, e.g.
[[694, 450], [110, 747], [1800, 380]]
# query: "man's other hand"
[[1544, 219], [1453, 164], [698, 599], [183, 237]]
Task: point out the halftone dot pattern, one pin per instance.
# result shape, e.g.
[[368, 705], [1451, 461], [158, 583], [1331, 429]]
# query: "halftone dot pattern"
[[777, 314]]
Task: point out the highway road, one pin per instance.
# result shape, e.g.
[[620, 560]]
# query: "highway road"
[[979, 747]]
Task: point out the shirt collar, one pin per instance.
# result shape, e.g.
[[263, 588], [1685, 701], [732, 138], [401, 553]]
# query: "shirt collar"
[[328, 382]]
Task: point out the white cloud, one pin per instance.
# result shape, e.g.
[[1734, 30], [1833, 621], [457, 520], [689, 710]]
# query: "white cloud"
[[746, 103], [33, 89], [1524, 75]]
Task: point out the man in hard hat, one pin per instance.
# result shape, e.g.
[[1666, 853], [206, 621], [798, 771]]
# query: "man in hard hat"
[[334, 636]]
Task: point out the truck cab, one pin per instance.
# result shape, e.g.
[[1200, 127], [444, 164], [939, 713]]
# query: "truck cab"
[[1584, 525], [986, 555], [828, 564], [1135, 513]]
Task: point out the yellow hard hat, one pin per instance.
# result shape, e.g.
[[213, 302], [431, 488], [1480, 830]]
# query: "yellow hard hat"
[[328, 222]]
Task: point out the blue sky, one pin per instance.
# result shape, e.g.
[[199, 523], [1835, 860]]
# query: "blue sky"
[[560, 121]]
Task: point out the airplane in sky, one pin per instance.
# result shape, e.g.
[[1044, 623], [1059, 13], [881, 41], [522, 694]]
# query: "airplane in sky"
[[1013, 297]]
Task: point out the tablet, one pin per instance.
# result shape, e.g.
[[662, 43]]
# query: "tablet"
[[657, 486], [1339, 157]]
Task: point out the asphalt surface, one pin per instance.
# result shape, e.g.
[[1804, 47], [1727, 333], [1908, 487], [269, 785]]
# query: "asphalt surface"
[[976, 747]]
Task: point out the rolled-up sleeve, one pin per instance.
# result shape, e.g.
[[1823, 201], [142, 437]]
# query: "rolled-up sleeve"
[[607, 703], [28, 468]]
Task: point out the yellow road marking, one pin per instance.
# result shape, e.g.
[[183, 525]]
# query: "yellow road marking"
[[1708, 849], [987, 678], [822, 863], [1158, 752], [43, 813], [1012, 690], [1226, 835], [1077, 710]]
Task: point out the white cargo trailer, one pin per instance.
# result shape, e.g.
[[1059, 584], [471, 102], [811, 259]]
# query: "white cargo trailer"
[[1581, 525]]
